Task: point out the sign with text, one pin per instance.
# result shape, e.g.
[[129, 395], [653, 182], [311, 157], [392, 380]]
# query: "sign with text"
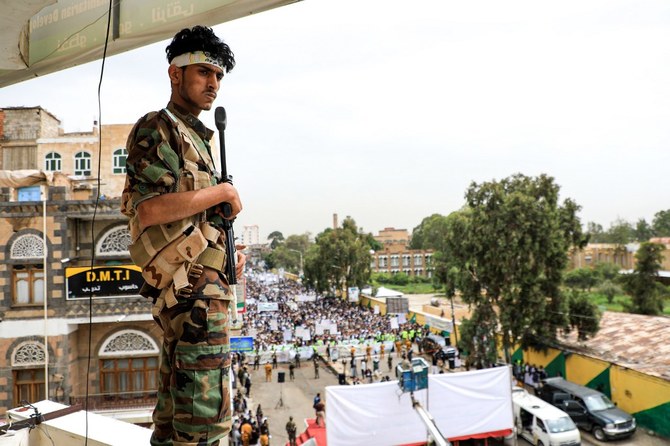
[[241, 344], [102, 281]]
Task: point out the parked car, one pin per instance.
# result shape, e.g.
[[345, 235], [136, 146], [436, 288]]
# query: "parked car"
[[588, 408], [436, 345], [541, 423]]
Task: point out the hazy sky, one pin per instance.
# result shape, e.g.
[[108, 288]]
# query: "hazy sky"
[[386, 110]]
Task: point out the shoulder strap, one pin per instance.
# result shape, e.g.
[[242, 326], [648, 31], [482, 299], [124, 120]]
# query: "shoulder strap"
[[186, 132]]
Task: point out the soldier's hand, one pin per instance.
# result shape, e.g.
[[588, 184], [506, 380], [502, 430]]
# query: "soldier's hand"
[[241, 260], [229, 195]]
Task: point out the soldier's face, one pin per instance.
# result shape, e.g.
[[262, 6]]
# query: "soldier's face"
[[196, 86]]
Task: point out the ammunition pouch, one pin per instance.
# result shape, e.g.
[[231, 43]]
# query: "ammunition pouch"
[[163, 250]]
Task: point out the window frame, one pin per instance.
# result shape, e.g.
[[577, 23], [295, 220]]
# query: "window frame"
[[82, 157], [53, 157], [35, 298]]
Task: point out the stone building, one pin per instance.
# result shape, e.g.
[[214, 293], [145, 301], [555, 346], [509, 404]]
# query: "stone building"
[[396, 256], [71, 321]]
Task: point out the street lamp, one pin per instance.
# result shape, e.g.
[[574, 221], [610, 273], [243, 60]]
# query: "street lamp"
[[299, 252]]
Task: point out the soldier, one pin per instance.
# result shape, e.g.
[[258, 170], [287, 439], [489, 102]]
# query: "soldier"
[[291, 430], [316, 368], [172, 197]]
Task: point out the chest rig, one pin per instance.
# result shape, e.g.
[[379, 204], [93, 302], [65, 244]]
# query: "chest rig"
[[167, 252]]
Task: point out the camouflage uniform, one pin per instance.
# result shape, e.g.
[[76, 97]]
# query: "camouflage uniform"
[[193, 405]]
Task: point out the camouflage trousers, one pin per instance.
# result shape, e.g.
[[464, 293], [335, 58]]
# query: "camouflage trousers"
[[193, 406]]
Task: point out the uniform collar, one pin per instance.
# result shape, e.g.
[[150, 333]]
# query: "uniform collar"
[[191, 120]]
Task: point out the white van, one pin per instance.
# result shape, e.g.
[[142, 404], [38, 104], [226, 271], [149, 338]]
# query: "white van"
[[541, 423]]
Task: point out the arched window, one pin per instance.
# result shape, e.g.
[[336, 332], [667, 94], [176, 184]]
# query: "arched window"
[[28, 353], [52, 162], [128, 366], [114, 242], [29, 246], [119, 161], [28, 276], [82, 164], [28, 379]]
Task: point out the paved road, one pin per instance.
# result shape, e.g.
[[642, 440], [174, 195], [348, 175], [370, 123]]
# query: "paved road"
[[296, 396]]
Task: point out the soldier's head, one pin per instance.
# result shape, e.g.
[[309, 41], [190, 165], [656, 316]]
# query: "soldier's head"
[[198, 61]]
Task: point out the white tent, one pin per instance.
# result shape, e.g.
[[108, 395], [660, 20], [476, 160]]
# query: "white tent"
[[464, 405], [386, 292]]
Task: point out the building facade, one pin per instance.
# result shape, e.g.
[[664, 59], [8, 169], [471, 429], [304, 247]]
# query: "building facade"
[[396, 257], [70, 314]]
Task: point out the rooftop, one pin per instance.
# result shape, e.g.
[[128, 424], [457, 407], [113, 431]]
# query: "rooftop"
[[634, 341]]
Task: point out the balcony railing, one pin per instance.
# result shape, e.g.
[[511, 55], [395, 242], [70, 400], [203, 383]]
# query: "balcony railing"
[[120, 400]]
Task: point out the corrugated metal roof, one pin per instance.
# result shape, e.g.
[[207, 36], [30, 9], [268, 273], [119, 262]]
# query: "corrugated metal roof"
[[634, 341]]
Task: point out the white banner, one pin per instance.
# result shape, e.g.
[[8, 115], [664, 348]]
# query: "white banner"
[[267, 306]]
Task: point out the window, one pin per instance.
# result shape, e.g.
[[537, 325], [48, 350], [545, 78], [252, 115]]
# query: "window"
[[395, 261], [129, 375], [28, 385], [129, 364], [383, 261], [82, 164], [417, 260], [28, 284], [52, 162], [114, 242], [119, 161], [405, 259]]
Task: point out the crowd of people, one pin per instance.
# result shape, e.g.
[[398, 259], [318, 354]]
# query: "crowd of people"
[[368, 338]]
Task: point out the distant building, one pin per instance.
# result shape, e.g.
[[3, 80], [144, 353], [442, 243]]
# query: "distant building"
[[396, 256], [620, 255], [250, 235], [97, 309]]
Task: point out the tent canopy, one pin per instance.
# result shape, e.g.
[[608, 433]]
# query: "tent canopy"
[[386, 292], [38, 37]]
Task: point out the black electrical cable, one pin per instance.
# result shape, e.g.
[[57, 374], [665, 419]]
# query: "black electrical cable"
[[95, 212]]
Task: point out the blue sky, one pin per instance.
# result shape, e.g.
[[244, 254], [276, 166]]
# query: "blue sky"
[[386, 110]]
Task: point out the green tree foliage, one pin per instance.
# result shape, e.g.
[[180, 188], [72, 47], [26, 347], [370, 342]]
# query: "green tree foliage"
[[596, 232], [646, 292], [276, 238], [339, 259], [510, 249], [431, 233], [584, 315], [609, 289], [606, 271], [581, 278], [620, 233], [643, 231], [661, 223]]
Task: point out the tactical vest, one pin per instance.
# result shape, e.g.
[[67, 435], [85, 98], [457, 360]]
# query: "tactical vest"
[[166, 252]]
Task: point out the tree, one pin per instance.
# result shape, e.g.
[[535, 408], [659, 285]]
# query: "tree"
[[431, 233], [646, 292], [596, 232], [584, 315], [620, 233], [339, 259], [510, 249], [609, 289], [643, 231], [581, 278], [276, 238], [661, 223]]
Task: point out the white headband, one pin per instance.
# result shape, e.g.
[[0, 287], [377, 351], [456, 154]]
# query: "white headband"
[[197, 57]]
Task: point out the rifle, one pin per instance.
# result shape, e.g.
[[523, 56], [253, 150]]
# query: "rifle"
[[220, 120]]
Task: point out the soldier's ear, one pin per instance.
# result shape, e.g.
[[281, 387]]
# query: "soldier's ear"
[[175, 74]]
